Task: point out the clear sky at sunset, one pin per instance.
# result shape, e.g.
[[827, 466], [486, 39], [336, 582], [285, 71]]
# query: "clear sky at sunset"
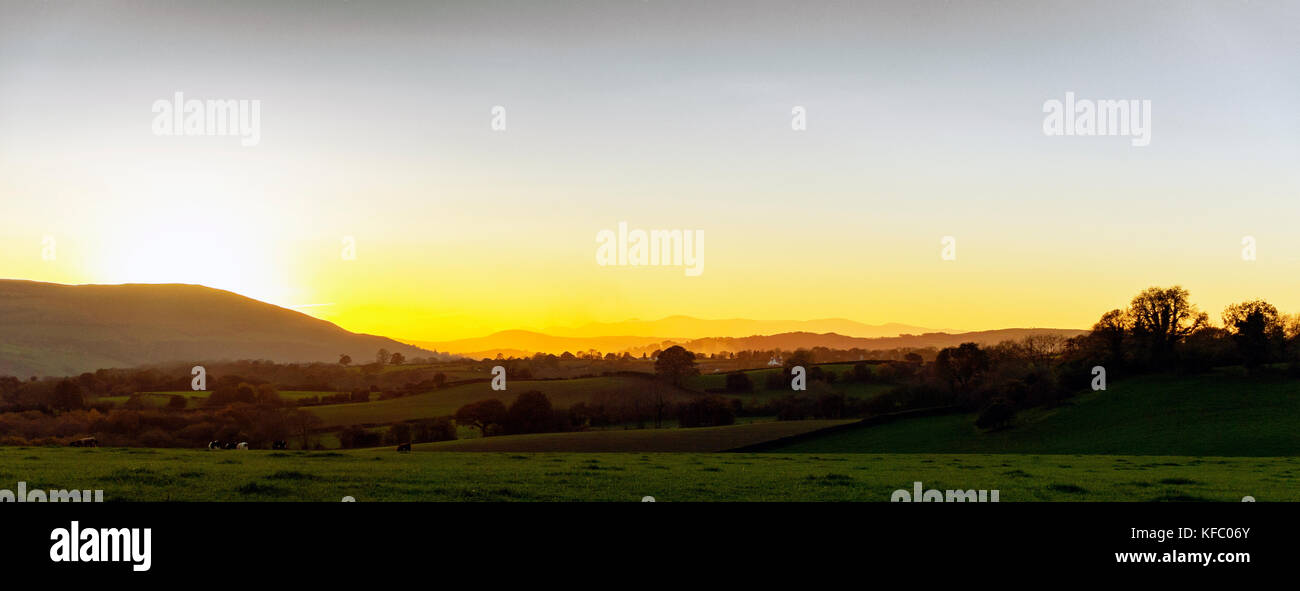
[[924, 120]]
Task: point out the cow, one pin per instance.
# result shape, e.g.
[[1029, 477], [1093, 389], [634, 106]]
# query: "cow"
[[404, 447], [85, 442], [279, 444], [228, 445], [214, 445], [242, 445]]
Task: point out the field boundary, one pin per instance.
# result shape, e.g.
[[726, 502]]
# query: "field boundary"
[[867, 422]]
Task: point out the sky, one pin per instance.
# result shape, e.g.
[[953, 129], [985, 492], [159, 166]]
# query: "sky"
[[924, 120]]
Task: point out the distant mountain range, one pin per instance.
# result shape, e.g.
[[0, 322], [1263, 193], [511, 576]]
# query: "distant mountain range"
[[53, 329], [686, 327], [520, 343], [648, 335]]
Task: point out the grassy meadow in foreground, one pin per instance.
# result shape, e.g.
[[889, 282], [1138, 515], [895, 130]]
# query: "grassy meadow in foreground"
[[384, 475]]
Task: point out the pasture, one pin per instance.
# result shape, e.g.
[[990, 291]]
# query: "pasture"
[[1218, 414], [385, 475], [195, 399], [444, 402], [698, 439]]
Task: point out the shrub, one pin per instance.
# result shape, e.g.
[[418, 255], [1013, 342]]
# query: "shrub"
[[998, 413], [706, 411]]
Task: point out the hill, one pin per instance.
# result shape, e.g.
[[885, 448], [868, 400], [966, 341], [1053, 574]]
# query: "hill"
[[807, 340], [522, 343], [1209, 415], [54, 329], [687, 327]]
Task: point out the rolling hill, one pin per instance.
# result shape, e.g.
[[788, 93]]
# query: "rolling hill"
[[54, 329], [1207, 415]]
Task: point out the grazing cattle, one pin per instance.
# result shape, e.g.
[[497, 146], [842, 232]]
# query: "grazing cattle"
[[242, 445], [86, 442], [228, 445], [279, 444], [214, 445], [404, 447]]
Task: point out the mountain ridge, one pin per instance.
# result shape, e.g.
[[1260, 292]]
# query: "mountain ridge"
[[58, 329], [500, 342]]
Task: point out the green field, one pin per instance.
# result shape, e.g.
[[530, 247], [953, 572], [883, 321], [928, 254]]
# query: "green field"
[[699, 439], [194, 399], [1218, 414], [384, 475], [717, 381], [439, 403]]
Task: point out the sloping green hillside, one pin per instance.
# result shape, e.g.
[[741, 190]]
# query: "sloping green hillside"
[[1219, 414]]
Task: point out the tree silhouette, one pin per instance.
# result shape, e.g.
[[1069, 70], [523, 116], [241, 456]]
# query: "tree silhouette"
[[1163, 317], [675, 364], [961, 366], [1255, 326], [482, 414]]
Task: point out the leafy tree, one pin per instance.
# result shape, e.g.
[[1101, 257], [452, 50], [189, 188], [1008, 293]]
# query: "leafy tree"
[[675, 364], [67, 396], [861, 373], [399, 434], [382, 356], [1256, 327], [345, 360], [962, 366], [397, 359], [482, 414], [801, 357], [1162, 318], [707, 411], [531, 412], [1110, 333]]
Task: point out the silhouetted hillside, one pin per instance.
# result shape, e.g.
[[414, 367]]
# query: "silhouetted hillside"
[[53, 329]]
